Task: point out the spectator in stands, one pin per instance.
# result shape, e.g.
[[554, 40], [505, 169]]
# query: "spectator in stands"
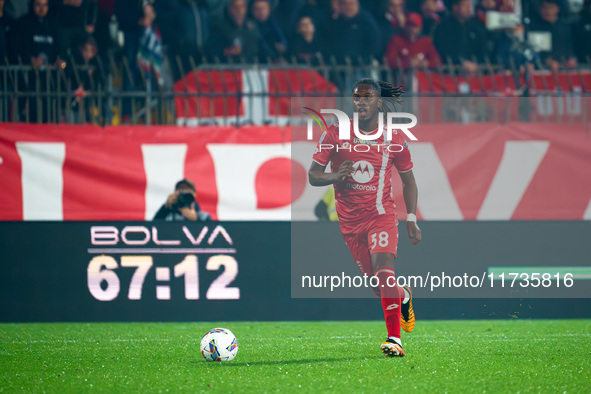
[[395, 14], [374, 7], [86, 74], [582, 34], [547, 21], [38, 36], [493, 37], [5, 26], [287, 12], [353, 35], [182, 204], [304, 45], [76, 19], [185, 30], [102, 34], [233, 36], [503, 46], [134, 17], [410, 49], [483, 6], [16, 9], [320, 11], [272, 41], [459, 38], [431, 18], [391, 22]]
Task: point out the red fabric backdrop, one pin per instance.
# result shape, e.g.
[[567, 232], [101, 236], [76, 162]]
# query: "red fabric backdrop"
[[249, 174]]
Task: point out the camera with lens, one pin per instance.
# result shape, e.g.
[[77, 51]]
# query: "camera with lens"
[[184, 200]]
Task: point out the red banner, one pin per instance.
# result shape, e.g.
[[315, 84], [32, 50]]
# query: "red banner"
[[504, 82], [258, 96], [465, 172], [561, 109]]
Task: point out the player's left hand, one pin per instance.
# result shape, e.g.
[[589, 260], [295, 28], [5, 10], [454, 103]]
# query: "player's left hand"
[[414, 232]]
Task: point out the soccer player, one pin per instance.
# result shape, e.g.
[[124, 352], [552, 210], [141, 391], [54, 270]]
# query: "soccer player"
[[361, 176]]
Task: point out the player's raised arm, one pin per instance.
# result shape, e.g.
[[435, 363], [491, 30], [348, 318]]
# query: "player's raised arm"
[[411, 194], [317, 176]]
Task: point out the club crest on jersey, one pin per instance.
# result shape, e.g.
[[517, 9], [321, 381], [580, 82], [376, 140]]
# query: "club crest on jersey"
[[363, 171]]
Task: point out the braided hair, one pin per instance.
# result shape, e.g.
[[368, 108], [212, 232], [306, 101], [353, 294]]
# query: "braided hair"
[[389, 93]]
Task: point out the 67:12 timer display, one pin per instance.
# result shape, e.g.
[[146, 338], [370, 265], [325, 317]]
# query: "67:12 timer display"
[[105, 285]]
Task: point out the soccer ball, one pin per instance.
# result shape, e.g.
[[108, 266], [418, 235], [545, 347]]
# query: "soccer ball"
[[219, 344]]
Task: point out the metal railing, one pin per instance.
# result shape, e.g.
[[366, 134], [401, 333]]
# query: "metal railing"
[[109, 92]]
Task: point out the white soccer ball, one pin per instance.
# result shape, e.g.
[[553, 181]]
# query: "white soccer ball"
[[219, 344]]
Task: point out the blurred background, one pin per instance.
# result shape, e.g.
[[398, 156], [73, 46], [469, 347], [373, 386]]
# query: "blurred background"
[[113, 62]]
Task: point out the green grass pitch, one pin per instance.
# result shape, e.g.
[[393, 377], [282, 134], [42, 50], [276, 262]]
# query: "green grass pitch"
[[442, 356]]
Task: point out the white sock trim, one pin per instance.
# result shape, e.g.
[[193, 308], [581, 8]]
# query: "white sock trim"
[[383, 269], [406, 296]]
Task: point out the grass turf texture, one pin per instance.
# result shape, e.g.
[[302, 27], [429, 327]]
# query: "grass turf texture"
[[454, 356]]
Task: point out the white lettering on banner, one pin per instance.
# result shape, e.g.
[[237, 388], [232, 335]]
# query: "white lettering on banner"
[[236, 167], [519, 164], [436, 197], [42, 179], [164, 165], [587, 214]]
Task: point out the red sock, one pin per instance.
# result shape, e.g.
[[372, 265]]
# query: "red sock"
[[391, 297]]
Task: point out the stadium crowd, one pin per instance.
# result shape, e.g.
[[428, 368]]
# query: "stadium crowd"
[[167, 38], [419, 33]]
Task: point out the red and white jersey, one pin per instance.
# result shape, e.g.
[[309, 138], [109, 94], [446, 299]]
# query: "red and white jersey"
[[369, 190]]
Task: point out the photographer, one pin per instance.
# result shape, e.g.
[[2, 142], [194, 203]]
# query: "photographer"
[[181, 205]]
